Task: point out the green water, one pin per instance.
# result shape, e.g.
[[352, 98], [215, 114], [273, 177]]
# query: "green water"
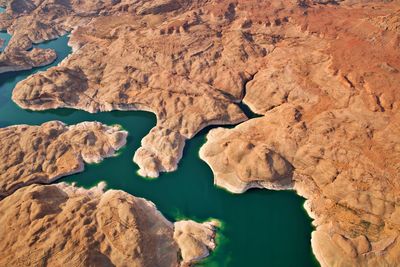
[[259, 228], [4, 35]]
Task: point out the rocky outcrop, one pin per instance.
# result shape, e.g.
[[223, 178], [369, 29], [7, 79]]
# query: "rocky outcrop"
[[240, 163], [43, 154], [62, 225], [194, 240]]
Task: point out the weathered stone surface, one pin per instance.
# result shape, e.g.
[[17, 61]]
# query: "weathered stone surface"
[[194, 239], [30, 22], [328, 96], [25, 60], [324, 75], [62, 225], [347, 174], [189, 80], [43, 154]]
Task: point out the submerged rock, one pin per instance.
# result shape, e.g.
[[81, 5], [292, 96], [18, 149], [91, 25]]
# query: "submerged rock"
[[62, 225], [43, 154]]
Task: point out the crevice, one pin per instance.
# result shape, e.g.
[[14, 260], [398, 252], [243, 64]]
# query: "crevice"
[[349, 82], [245, 108], [378, 102]]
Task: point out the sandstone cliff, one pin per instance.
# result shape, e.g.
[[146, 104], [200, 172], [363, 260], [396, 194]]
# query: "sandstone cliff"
[[62, 225], [43, 154]]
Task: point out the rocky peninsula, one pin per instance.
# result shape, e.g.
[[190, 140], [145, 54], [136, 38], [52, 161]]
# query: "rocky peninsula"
[[62, 225], [45, 153], [323, 74], [25, 60]]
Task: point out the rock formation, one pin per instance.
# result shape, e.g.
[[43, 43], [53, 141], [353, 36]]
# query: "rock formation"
[[43, 154], [62, 225], [323, 74]]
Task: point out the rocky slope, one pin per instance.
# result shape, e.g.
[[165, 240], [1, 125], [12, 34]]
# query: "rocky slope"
[[42, 154], [62, 225]]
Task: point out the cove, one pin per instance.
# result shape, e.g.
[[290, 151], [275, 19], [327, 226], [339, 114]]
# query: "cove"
[[259, 228]]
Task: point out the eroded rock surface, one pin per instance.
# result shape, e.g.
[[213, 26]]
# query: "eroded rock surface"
[[25, 60], [324, 75], [62, 225], [31, 22], [330, 106], [189, 70], [42, 154]]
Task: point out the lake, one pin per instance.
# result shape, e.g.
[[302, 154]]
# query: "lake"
[[259, 227]]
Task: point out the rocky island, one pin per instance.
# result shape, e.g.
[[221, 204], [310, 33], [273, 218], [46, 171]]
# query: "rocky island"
[[323, 75]]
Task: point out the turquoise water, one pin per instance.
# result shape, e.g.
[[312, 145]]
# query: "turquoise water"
[[3, 35], [259, 228]]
